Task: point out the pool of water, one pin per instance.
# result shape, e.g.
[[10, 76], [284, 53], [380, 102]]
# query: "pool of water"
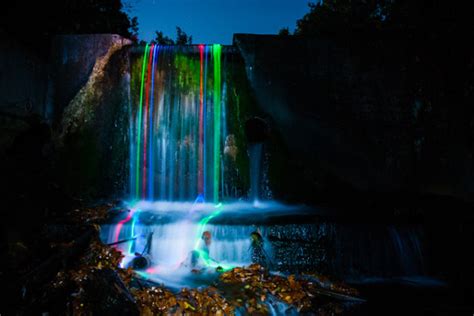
[[295, 239]]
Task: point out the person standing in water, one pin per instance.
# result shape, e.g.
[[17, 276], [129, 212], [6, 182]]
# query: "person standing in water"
[[204, 247], [203, 251], [258, 254]]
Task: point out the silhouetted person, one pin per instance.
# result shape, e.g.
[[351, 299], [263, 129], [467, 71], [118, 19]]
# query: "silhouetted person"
[[203, 251], [258, 254]]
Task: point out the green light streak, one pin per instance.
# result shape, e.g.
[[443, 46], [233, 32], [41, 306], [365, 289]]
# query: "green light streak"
[[139, 125], [203, 222], [210, 262], [202, 254], [217, 49], [132, 234]]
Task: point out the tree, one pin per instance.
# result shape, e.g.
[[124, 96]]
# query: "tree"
[[421, 19], [37, 22], [134, 27], [284, 31], [182, 38], [342, 17], [162, 39]]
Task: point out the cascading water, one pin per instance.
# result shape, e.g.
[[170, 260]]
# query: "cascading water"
[[255, 154], [176, 125], [178, 139], [256, 131], [178, 128]]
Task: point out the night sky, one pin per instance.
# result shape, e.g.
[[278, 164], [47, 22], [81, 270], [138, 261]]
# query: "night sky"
[[215, 21]]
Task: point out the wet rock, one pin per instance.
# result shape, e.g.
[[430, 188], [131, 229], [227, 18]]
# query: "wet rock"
[[92, 123], [106, 294], [256, 130]]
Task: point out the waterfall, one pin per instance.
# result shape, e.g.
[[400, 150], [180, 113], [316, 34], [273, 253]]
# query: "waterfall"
[[352, 252], [179, 145], [172, 242], [176, 124], [255, 151]]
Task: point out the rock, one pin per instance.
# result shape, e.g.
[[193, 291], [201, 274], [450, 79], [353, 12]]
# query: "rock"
[[106, 294]]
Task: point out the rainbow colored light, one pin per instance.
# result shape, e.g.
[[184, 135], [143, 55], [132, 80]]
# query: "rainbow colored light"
[[201, 122], [120, 224], [217, 52], [139, 124], [201, 229], [145, 120], [182, 82], [151, 124]]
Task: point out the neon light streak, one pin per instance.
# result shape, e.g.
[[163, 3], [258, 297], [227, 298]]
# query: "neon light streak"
[[151, 124], [131, 151], [120, 224], [217, 117], [205, 122], [203, 222], [132, 234], [139, 125], [201, 121], [202, 254], [145, 121], [144, 275], [153, 270], [212, 263], [199, 199]]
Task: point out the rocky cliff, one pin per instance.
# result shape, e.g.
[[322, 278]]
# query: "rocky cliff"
[[351, 116]]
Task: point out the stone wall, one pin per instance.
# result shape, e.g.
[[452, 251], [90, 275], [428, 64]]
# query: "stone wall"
[[345, 117], [343, 114]]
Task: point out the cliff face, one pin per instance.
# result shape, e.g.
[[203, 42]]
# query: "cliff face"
[[92, 107], [23, 88], [350, 117], [344, 115], [64, 119]]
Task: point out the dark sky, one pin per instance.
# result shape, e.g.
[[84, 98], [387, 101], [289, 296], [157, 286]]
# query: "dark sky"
[[215, 21]]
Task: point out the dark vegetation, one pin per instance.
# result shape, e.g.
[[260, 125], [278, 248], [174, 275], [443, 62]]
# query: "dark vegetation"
[[434, 19], [439, 33], [36, 22], [439, 67], [181, 38]]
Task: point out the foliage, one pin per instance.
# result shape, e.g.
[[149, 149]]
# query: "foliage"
[[134, 27], [435, 65], [162, 39], [284, 32], [257, 286], [246, 290], [341, 16], [242, 290], [346, 17], [36, 20], [158, 300], [181, 38]]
